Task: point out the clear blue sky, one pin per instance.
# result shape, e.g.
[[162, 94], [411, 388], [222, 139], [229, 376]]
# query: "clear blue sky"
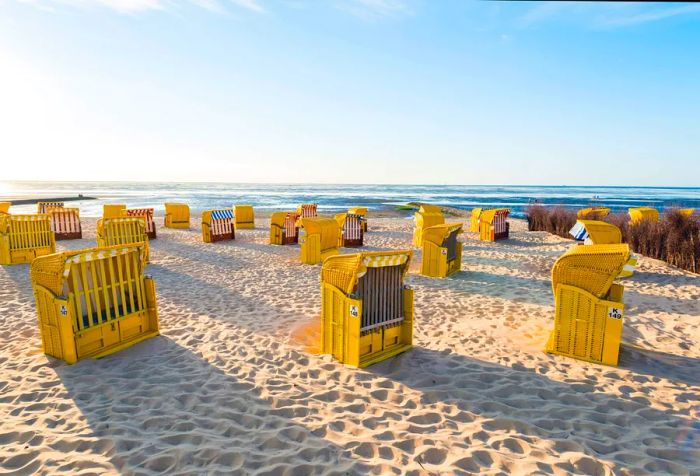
[[374, 91]]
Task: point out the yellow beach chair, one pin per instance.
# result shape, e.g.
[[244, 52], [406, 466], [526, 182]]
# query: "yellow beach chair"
[[593, 213], [594, 232], [362, 211], [283, 228], [5, 208], [113, 210], [65, 223], [217, 225], [44, 207], [307, 210], [425, 217], [177, 215], [147, 214], [493, 224], [686, 212], [442, 252], [94, 302], [366, 310], [123, 231], [640, 214], [474, 220], [318, 239], [352, 231], [25, 237], [588, 304], [244, 216]]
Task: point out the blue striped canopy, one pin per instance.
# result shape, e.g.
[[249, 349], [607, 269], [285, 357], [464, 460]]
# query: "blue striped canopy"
[[219, 214], [579, 231]]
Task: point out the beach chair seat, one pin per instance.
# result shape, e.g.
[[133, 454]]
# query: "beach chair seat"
[[217, 225], [177, 215], [474, 220], [493, 224], [25, 237], [425, 217], [593, 213], [123, 231], [244, 216], [5, 208], [318, 239], [641, 214], [352, 230], [284, 229], [588, 303], [362, 211], [442, 251], [113, 210], [93, 302], [147, 214], [65, 223], [44, 207], [366, 310]]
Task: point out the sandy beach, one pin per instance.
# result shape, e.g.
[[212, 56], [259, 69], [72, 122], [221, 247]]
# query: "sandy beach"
[[233, 384]]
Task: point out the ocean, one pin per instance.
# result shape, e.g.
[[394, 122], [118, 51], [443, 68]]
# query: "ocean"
[[201, 196]]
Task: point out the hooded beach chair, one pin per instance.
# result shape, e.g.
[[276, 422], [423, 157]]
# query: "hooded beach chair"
[[123, 231], [25, 237], [366, 310], [593, 213], [147, 214], [217, 225], [588, 303], [65, 223], [686, 212], [362, 211], [352, 231], [283, 228], [244, 216], [425, 217], [640, 214], [177, 215], [474, 220], [113, 210], [318, 239], [594, 232], [93, 302], [44, 207], [442, 252], [493, 224]]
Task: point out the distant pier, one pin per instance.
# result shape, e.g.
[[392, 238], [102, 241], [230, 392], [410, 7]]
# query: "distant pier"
[[29, 201]]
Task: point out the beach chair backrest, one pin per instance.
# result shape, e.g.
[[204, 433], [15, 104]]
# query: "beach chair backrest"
[[290, 225], [593, 213], [218, 225], [594, 232], [592, 268], [147, 214], [65, 222], [640, 214], [44, 207], [5, 208], [327, 228], [244, 216], [177, 215], [307, 210], [25, 232], [113, 210]]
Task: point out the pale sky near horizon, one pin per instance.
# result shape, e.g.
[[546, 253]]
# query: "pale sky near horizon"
[[350, 91]]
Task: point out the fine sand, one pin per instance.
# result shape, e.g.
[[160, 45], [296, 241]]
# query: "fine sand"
[[233, 384]]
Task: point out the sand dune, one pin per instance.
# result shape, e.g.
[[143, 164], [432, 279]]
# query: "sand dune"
[[233, 385]]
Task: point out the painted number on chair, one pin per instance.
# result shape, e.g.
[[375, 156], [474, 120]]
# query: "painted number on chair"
[[614, 313], [354, 311], [63, 310]]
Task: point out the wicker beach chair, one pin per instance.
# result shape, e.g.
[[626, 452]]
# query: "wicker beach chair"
[[177, 215], [123, 231], [283, 228], [425, 217], [594, 232], [640, 214], [44, 207], [147, 214], [493, 224], [588, 304], [366, 310], [593, 213], [442, 252], [94, 302], [25, 237], [244, 216], [362, 211], [65, 223], [352, 229], [318, 239], [113, 210], [217, 225]]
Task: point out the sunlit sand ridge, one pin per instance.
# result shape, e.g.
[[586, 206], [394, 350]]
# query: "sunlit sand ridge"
[[235, 383]]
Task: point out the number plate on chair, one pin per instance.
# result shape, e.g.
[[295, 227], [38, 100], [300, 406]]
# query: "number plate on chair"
[[354, 311], [614, 313]]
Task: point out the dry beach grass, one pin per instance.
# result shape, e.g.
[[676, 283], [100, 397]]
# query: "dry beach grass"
[[231, 385]]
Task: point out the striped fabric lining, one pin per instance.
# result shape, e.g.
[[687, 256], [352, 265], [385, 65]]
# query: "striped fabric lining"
[[579, 231]]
